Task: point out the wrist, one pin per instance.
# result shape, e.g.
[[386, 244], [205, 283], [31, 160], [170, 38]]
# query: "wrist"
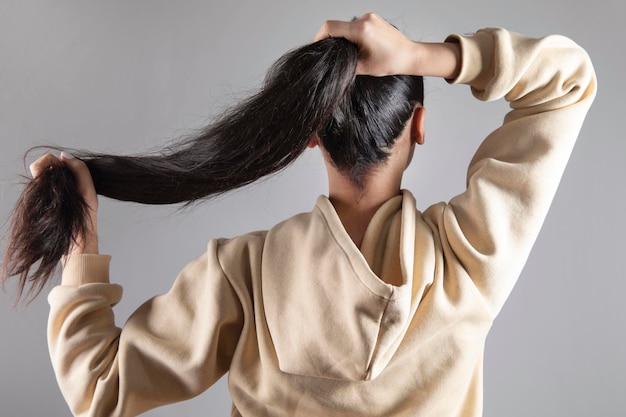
[[84, 250], [439, 60], [85, 245]]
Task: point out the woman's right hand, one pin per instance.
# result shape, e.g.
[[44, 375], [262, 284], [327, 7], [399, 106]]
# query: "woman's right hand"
[[87, 243], [384, 50]]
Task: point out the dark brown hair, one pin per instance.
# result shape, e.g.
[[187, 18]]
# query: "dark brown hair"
[[310, 90]]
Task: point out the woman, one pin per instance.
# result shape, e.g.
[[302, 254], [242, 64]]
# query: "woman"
[[364, 306]]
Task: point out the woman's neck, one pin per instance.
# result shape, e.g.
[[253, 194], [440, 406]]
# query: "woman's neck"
[[356, 206]]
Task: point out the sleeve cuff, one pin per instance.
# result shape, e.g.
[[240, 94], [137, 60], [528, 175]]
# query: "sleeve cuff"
[[477, 64], [85, 269]]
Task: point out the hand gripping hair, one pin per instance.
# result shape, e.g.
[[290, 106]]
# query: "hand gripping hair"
[[312, 90]]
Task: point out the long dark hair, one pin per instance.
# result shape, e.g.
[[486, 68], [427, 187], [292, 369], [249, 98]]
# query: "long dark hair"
[[310, 90]]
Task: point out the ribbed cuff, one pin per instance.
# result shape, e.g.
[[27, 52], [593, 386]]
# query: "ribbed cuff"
[[477, 64], [85, 269]]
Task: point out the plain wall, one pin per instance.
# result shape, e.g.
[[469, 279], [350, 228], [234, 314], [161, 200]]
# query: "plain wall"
[[125, 76]]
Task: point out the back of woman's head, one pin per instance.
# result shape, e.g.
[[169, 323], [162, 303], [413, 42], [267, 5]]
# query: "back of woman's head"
[[312, 90], [368, 120], [357, 118]]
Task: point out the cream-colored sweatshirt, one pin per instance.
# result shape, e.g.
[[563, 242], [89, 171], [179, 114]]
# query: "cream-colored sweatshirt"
[[307, 324]]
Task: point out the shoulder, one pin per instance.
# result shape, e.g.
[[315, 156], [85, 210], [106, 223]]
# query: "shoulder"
[[242, 255], [253, 244], [238, 250]]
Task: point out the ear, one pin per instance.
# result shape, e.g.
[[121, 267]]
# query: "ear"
[[417, 125], [315, 141]]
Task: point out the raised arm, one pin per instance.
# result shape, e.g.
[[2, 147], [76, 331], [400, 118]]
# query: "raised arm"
[[512, 178], [490, 228]]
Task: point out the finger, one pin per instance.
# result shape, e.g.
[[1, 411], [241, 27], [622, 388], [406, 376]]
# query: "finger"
[[43, 163], [80, 171], [336, 29], [77, 166]]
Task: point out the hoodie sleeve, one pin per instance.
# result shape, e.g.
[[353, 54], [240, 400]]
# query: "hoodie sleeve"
[[172, 348], [550, 83]]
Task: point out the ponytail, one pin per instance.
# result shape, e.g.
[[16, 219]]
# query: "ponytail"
[[310, 90], [258, 137]]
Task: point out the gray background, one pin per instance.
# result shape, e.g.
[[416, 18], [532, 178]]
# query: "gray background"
[[125, 76]]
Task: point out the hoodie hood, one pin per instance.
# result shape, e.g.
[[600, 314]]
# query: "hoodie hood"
[[332, 310]]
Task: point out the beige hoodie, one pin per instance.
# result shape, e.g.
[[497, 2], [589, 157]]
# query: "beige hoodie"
[[309, 325]]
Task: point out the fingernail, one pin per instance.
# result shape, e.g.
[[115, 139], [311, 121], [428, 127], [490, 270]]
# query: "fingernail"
[[66, 155]]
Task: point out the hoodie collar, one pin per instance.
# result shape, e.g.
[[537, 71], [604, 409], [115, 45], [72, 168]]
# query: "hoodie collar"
[[331, 309]]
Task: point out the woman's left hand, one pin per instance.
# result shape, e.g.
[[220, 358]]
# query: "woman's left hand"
[[88, 242]]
